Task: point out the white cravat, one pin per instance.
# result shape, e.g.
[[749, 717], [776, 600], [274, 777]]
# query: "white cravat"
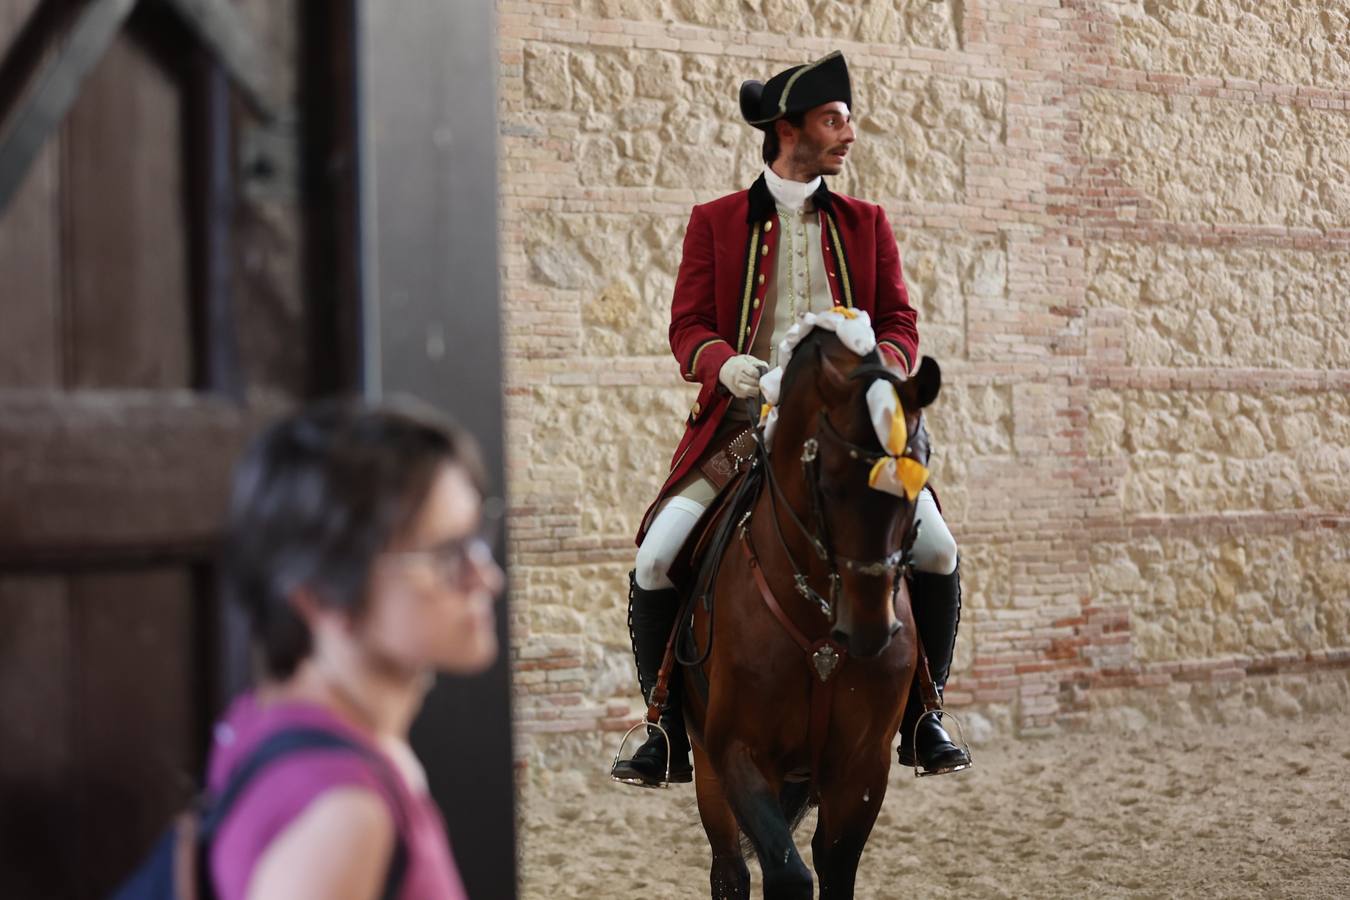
[[792, 195]]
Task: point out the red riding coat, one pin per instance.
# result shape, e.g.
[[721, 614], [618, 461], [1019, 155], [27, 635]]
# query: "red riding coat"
[[729, 253]]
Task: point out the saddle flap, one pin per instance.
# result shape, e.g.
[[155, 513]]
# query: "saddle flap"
[[708, 538]]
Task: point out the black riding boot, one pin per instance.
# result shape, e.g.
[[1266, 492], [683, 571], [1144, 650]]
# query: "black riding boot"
[[651, 617], [937, 610]]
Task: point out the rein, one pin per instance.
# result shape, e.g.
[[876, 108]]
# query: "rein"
[[819, 536]]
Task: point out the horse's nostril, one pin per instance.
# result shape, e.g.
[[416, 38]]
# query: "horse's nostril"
[[839, 636], [868, 649]]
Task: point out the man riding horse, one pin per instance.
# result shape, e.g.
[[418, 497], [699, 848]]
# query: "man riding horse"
[[753, 262]]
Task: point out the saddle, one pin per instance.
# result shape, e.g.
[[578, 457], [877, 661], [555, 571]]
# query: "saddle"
[[694, 570], [713, 531]]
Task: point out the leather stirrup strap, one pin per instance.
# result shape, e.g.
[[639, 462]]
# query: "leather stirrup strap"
[[661, 690], [928, 692], [932, 701]]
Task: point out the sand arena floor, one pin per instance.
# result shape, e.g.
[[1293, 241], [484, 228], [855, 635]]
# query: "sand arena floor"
[[1218, 811]]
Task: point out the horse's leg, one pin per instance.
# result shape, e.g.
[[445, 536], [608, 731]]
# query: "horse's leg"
[[849, 805], [730, 877], [760, 814]]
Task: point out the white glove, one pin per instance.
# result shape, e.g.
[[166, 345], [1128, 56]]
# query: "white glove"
[[740, 375]]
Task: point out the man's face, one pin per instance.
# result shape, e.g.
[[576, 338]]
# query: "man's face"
[[824, 139]]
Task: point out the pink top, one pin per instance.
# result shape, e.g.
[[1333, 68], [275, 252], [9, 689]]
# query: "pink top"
[[285, 787]]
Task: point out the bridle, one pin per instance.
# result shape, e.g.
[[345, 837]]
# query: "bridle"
[[819, 536]]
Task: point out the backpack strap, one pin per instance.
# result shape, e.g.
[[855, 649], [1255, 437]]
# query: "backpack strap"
[[294, 740]]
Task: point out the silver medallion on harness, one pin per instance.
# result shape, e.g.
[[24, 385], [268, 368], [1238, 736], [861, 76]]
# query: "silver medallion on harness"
[[826, 661]]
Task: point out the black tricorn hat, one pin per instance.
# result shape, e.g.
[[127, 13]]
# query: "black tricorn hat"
[[796, 90]]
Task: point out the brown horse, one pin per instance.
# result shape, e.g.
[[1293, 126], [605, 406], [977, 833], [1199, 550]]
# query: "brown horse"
[[797, 706]]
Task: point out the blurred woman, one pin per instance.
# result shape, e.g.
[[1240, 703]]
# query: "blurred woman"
[[358, 547]]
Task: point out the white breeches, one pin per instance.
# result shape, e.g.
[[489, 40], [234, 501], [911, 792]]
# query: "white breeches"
[[664, 539], [934, 550]]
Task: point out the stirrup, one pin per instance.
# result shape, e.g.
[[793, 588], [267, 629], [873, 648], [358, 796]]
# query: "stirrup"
[[920, 771], [638, 782]]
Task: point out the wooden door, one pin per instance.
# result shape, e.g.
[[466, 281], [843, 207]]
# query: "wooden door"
[[124, 399]]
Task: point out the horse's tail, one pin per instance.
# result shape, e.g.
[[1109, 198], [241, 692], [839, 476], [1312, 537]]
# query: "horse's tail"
[[795, 801]]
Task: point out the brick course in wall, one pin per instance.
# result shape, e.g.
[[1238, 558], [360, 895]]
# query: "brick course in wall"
[[1126, 231]]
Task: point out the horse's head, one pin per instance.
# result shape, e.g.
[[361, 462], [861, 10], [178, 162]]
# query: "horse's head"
[[824, 450]]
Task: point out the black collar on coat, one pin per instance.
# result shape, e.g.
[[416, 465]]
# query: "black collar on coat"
[[762, 205]]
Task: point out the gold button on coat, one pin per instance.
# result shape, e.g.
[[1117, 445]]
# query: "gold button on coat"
[[764, 250], [697, 409], [768, 226], [761, 277]]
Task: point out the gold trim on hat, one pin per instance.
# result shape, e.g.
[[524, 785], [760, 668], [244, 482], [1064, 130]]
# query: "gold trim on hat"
[[787, 88]]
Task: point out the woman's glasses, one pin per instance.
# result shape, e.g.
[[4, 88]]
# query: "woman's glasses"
[[459, 562]]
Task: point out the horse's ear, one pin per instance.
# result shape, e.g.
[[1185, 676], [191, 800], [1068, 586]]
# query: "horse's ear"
[[922, 387], [833, 384]]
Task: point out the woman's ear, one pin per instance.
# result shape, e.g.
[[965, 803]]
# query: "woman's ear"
[[317, 616], [305, 604]]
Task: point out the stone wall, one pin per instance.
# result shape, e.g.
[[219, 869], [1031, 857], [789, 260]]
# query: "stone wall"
[[1126, 227]]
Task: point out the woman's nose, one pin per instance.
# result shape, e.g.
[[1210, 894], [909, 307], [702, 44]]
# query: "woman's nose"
[[488, 573]]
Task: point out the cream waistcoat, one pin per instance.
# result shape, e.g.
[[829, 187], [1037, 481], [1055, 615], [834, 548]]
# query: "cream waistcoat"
[[798, 284]]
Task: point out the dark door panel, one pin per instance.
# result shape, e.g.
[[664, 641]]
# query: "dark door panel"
[[127, 323], [98, 478], [175, 271]]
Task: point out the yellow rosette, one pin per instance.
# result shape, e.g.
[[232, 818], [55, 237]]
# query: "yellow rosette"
[[897, 473]]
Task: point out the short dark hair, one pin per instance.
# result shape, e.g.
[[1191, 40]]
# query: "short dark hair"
[[772, 145], [316, 498]]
